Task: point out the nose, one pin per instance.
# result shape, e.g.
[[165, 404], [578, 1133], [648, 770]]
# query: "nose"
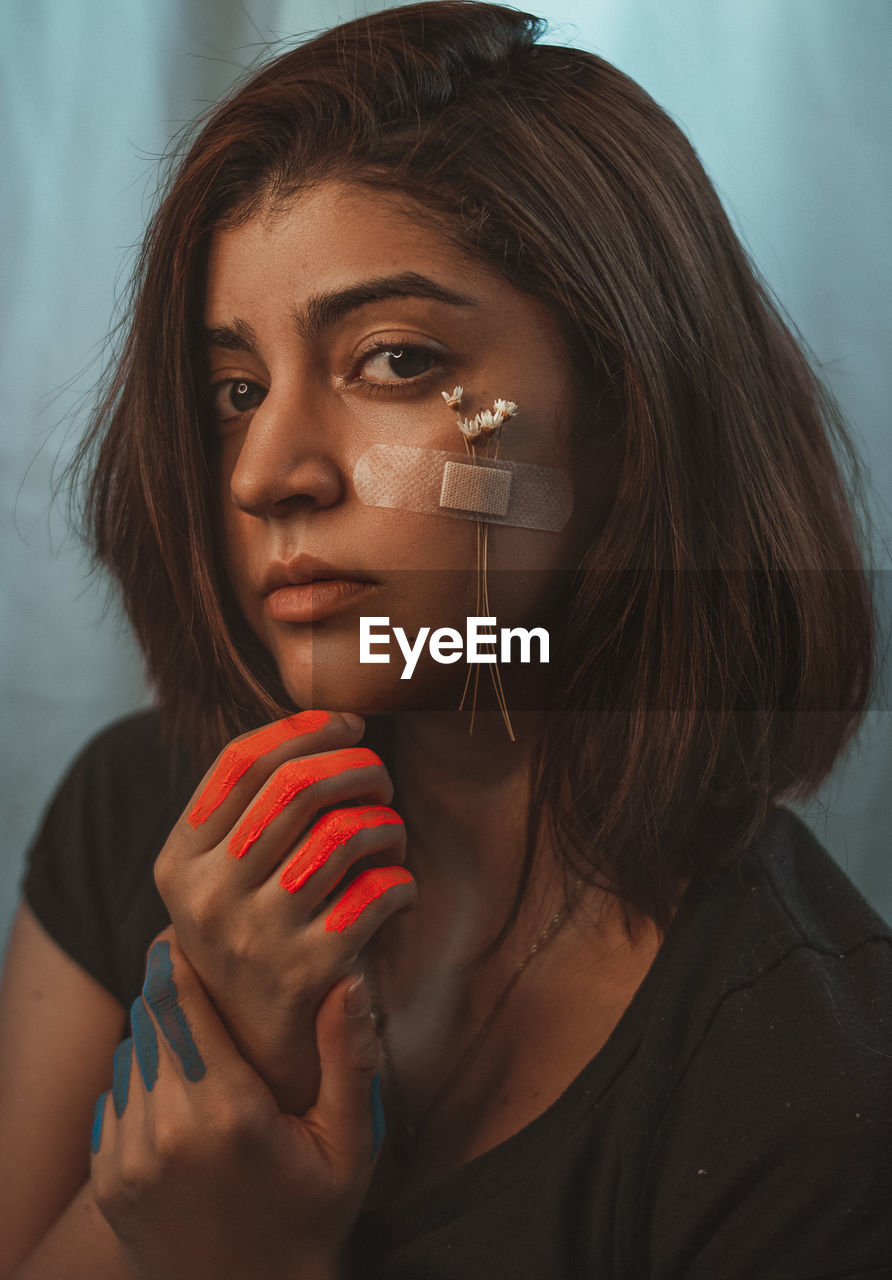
[[284, 464]]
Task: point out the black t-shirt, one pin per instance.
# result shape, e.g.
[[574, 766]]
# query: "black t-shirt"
[[737, 1125]]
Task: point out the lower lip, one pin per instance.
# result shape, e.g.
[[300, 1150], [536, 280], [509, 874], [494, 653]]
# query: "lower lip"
[[311, 601]]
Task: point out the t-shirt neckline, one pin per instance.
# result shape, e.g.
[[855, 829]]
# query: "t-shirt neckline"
[[495, 1170]]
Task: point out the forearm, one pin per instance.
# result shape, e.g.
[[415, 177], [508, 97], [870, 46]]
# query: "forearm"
[[80, 1246]]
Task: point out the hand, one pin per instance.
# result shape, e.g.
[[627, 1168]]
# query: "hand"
[[247, 871], [196, 1168]]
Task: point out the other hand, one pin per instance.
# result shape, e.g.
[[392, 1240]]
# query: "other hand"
[[195, 1166]]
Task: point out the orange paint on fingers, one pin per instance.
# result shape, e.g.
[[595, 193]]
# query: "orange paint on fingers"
[[238, 757], [361, 893], [288, 782], [330, 833]]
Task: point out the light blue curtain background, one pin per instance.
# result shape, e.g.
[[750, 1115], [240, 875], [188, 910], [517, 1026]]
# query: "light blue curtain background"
[[786, 101]]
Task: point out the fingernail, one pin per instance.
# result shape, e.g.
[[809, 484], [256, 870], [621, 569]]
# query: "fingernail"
[[356, 1000], [352, 721], [378, 1122], [98, 1112]]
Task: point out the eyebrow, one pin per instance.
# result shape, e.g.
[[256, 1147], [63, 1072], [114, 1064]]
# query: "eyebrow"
[[324, 310]]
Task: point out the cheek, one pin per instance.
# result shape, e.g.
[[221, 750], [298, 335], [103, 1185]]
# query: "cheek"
[[394, 540], [531, 550], [236, 547], [529, 573]]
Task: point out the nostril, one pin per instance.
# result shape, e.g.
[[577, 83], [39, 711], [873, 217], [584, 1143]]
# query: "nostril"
[[296, 501], [275, 482]]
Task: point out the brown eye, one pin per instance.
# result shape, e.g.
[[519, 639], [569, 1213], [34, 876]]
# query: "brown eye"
[[397, 364], [235, 396]]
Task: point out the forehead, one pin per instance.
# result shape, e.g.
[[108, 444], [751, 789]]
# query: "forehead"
[[331, 234]]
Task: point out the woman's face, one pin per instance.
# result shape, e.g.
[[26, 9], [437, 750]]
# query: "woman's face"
[[334, 324]]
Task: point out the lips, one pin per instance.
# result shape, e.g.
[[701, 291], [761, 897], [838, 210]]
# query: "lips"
[[306, 589], [303, 569]]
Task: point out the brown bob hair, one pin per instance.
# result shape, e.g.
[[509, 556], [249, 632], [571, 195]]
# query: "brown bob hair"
[[719, 635]]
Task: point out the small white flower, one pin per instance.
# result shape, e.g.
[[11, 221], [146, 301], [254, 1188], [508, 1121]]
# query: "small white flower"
[[504, 409], [453, 400], [486, 422], [469, 427]]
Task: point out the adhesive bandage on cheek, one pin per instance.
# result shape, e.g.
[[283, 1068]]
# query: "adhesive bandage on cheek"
[[435, 482]]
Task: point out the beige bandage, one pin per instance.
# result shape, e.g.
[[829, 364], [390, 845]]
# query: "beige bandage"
[[483, 490], [435, 482]]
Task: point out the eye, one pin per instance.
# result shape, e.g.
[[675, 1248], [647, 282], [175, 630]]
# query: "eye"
[[234, 396], [387, 366]]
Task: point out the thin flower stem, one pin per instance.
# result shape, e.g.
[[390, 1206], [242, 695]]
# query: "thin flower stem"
[[481, 595], [482, 587], [477, 608], [470, 450], [495, 674]]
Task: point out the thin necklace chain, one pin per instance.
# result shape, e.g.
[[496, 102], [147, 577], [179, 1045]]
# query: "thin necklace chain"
[[410, 1130]]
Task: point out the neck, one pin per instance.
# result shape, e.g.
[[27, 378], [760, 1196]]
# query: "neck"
[[464, 799], [457, 788]]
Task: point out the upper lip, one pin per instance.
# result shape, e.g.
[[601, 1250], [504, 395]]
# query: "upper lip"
[[304, 568]]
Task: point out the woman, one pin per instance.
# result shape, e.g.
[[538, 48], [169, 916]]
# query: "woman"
[[628, 1015]]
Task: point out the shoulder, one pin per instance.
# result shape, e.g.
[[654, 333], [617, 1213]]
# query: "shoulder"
[[795, 927], [125, 770], [775, 1094], [797, 1005], [124, 790], [806, 960], [89, 875], [127, 744], [783, 910], [812, 891], [791, 967]]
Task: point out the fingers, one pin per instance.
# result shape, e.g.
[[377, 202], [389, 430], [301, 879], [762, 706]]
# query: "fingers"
[[368, 900], [337, 840], [172, 1019], [219, 1155], [161, 995], [145, 1043], [121, 1075], [159, 1030], [98, 1118], [348, 1115], [297, 790], [191, 1097], [243, 763]]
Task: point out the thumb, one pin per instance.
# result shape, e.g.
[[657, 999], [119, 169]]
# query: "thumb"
[[348, 1109]]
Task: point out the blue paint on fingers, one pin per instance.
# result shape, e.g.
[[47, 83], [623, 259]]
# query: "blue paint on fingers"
[[378, 1122], [145, 1043], [121, 1078], [160, 993], [96, 1133]]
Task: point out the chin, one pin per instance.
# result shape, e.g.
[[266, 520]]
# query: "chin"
[[372, 690]]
